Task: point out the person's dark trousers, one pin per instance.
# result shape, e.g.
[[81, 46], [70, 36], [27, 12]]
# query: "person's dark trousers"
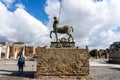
[[20, 71]]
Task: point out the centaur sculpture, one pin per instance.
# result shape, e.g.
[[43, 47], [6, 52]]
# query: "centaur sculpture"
[[62, 30]]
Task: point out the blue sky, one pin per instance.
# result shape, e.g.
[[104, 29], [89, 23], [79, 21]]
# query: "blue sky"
[[34, 7], [96, 22]]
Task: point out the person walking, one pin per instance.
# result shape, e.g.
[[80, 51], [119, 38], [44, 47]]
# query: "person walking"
[[21, 64]]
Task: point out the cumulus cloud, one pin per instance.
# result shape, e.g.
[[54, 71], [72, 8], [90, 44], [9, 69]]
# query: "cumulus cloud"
[[94, 22], [21, 26]]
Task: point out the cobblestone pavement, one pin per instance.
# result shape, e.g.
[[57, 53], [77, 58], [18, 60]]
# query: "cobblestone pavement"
[[98, 68]]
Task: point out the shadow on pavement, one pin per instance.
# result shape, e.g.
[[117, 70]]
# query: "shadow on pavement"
[[118, 69], [27, 74]]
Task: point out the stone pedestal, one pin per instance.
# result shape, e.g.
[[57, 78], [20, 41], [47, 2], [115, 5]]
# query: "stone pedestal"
[[62, 62], [62, 44]]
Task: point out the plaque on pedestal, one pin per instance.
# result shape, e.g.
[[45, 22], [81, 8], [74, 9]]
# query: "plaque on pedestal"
[[62, 44]]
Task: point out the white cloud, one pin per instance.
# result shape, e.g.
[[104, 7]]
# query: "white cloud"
[[94, 22], [21, 26], [8, 2], [20, 5]]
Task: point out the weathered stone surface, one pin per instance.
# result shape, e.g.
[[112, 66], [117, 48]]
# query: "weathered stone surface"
[[62, 61]]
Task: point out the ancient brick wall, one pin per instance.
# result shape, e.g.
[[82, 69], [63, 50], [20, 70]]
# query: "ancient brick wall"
[[62, 61], [29, 51]]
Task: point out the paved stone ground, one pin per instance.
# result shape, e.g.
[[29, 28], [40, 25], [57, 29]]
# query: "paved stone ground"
[[104, 71], [98, 68], [9, 69]]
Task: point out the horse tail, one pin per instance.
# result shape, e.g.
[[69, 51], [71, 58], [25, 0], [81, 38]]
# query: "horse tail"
[[72, 28]]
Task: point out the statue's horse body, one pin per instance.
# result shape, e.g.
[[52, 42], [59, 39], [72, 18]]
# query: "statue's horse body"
[[63, 30]]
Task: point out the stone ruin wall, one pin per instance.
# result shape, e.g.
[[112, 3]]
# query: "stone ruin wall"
[[115, 55], [29, 51], [62, 62], [14, 50]]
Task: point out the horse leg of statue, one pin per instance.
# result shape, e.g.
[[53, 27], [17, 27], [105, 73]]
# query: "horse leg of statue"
[[55, 31], [56, 37], [51, 33], [69, 38], [72, 38]]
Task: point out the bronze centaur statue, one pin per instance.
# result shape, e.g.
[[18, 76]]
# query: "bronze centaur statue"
[[63, 30]]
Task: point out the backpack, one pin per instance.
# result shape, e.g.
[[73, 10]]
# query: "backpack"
[[21, 60]]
